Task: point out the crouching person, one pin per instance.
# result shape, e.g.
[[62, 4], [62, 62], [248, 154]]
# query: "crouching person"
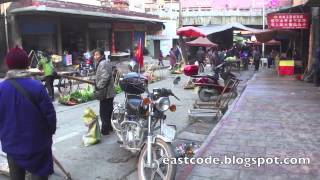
[[28, 120]]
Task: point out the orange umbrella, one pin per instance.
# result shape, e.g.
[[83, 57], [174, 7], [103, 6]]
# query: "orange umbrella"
[[273, 43], [202, 41]]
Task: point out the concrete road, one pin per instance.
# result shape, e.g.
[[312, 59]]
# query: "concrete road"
[[105, 160]]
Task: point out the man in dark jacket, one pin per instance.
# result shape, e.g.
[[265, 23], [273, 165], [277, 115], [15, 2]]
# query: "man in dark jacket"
[[104, 80], [201, 56], [26, 127], [256, 58]]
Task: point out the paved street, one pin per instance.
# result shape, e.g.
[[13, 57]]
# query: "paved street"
[[274, 117], [106, 160]]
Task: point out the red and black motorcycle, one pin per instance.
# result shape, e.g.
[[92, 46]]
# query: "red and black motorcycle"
[[212, 85]]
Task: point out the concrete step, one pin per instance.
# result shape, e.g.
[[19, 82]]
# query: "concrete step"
[[195, 106], [210, 103], [195, 111], [203, 117]]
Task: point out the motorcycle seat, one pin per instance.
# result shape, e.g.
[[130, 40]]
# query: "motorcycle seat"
[[212, 76]]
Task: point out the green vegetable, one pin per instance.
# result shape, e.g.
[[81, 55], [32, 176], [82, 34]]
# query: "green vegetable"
[[80, 96], [118, 89]]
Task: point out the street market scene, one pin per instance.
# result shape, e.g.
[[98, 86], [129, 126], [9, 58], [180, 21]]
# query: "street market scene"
[[159, 89]]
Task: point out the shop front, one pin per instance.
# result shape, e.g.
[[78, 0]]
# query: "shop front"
[[38, 33], [72, 29], [294, 24], [126, 37]]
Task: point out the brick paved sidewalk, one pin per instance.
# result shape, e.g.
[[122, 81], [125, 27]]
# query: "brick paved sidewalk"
[[274, 117]]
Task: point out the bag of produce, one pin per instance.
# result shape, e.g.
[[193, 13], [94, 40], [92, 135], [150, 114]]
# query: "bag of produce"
[[93, 135]]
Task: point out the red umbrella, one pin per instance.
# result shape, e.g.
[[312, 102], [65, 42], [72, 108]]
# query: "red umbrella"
[[202, 41], [190, 31]]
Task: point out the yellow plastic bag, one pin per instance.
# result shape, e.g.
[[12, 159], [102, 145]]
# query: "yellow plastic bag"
[[93, 135]]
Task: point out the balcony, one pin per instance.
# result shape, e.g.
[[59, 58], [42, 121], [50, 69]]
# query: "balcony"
[[209, 12]]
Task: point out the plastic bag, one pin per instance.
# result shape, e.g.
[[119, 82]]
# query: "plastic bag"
[[93, 135]]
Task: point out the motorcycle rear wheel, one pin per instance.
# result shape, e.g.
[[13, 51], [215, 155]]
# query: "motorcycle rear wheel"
[[160, 150], [205, 96]]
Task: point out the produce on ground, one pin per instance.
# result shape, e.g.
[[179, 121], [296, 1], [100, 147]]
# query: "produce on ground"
[[78, 96]]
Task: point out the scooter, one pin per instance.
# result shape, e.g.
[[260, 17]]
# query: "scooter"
[[214, 85]]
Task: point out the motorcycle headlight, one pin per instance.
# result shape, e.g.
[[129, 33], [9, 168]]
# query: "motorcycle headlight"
[[163, 104]]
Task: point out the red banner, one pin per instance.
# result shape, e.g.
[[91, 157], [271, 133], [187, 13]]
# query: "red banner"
[[288, 21]]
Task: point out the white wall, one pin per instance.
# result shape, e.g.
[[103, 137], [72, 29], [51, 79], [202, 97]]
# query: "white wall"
[[171, 28], [137, 5], [165, 46], [150, 47]]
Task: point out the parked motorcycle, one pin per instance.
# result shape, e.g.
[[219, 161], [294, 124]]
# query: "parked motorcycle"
[[213, 85], [140, 127], [86, 68]]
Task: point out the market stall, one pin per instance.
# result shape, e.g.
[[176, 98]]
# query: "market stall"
[[202, 42]]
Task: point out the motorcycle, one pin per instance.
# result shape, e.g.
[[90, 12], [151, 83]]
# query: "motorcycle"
[[213, 85], [86, 68], [139, 125]]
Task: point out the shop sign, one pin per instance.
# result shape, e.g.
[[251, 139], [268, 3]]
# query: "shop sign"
[[140, 27], [123, 26], [288, 21], [129, 26]]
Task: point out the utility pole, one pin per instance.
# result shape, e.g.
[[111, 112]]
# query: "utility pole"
[[180, 14], [314, 62], [263, 25], [171, 10], [181, 40], [6, 26]]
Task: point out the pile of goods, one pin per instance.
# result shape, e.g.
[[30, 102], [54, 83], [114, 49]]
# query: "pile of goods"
[[186, 150], [177, 69], [231, 59], [93, 135], [77, 97], [150, 73]]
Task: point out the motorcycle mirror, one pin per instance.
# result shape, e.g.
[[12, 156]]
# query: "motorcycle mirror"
[[176, 97], [171, 93]]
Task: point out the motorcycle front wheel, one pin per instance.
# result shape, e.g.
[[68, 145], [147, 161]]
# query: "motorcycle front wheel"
[[159, 170]]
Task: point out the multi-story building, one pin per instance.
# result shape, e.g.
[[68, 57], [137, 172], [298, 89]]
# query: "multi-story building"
[[248, 12]]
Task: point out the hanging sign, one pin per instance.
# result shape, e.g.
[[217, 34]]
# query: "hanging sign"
[[288, 21]]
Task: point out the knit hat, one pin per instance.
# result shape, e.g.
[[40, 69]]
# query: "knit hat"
[[17, 58]]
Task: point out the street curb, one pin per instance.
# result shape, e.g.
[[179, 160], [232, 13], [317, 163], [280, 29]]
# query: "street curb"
[[186, 170]]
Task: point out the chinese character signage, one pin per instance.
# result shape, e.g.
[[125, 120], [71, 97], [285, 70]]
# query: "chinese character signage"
[[288, 21]]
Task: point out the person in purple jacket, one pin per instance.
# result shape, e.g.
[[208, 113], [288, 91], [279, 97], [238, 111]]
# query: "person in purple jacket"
[[26, 127]]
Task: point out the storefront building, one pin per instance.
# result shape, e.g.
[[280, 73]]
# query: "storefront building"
[[302, 23], [63, 27]]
